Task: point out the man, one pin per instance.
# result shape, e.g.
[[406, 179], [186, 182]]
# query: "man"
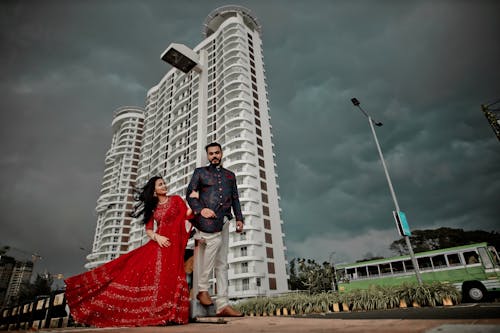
[[217, 194]]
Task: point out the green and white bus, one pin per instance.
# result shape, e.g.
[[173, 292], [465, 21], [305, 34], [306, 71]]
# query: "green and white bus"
[[474, 269]]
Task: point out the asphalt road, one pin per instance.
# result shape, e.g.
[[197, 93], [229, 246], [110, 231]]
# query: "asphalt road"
[[461, 311]]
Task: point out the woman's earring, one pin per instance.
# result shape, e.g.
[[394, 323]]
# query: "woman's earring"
[[154, 194]]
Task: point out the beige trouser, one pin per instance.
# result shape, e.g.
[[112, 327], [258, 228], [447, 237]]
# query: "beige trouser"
[[213, 255]]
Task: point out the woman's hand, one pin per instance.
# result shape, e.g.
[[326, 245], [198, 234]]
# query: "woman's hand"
[[162, 240], [208, 213]]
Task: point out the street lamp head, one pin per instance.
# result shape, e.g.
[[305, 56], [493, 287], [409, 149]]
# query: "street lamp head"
[[181, 57], [355, 101], [379, 124]]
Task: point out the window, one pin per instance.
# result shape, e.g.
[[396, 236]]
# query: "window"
[[244, 267], [269, 252], [243, 235], [471, 257], [263, 186], [453, 259], [267, 224], [438, 261], [362, 273], [494, 255], [269, 238], [385, 269], [424, 263], [265, 210], [243, 251], [485, 259], [270, 268], [373, 270], [272, 283], [397, 267], [351, 273], [408, 265], [245, 284], [264, 198]]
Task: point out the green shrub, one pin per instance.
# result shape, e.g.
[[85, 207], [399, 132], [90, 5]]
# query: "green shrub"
[[374, 298]]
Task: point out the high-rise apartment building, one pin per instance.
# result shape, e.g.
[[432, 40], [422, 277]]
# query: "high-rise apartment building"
[[21, 274], [116, 198], [6, 267], [223, 100]]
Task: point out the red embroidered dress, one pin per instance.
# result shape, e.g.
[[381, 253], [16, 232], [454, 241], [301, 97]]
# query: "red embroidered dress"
[[146, 286]]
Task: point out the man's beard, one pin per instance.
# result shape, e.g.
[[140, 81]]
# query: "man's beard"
[[215, 161]]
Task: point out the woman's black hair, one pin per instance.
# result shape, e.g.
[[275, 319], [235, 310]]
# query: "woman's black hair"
[[147, 201]]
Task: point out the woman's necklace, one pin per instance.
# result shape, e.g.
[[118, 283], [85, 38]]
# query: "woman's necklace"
[[162, 202]]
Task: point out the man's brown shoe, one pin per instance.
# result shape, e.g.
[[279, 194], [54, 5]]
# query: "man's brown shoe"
[[204, 298], [228, 311]]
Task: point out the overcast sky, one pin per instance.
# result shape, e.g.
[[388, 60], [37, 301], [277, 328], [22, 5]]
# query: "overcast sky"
[[423, 68]]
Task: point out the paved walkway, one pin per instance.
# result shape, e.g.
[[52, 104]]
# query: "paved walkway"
[[303, 325]]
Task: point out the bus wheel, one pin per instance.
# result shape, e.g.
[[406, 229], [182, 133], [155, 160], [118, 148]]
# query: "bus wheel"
[[474, 292]]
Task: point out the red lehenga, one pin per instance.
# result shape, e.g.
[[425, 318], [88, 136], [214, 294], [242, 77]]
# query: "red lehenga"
[[146, 286]]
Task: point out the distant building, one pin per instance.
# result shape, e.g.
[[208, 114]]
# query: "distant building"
[[21, 273], [6, 267], [227, 102]]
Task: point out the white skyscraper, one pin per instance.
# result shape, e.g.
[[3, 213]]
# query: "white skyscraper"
[[223, 100], [116, 198]]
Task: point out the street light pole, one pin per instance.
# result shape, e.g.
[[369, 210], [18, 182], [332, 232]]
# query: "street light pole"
[[393, 194]]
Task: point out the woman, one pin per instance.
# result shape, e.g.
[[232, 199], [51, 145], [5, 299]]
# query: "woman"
[[146, 286]]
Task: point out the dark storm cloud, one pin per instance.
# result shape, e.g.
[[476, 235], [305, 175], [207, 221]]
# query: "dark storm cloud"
[[423, 68]]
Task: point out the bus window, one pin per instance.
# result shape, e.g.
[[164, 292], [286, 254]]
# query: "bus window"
[[453, 259], [362, 272], [424, 263], [438, 261], [409, 265], [373, 270], [485, 259], [494, 255], [351, 273], [397, 267], [471, 257], [385, 269]]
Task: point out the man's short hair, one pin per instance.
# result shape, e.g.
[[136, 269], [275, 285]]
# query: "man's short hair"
[[213, 144]]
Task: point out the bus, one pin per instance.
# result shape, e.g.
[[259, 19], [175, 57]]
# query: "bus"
[[474, 269]]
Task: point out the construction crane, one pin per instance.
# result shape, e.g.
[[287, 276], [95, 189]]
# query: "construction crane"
[[34, 256]]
